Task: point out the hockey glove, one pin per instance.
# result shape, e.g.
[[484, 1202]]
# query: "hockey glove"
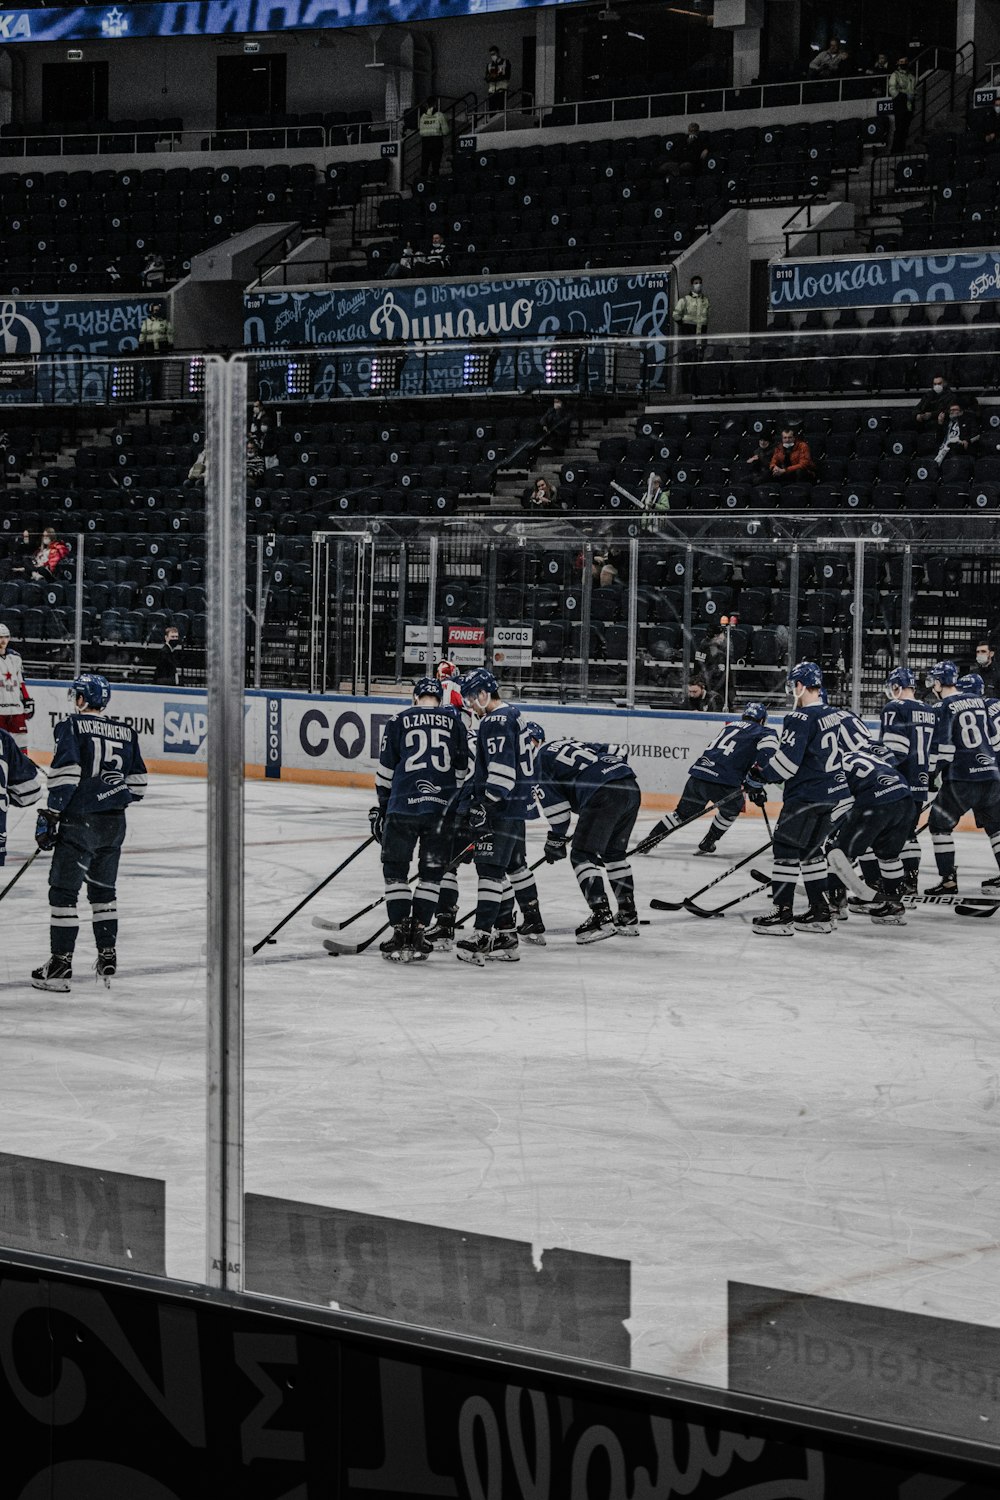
[[47, 828], [28, 708], [555, 848], [755, 791], [478, 817], [376, 821]]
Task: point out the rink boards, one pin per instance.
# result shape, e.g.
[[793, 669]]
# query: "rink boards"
[[334, 739]]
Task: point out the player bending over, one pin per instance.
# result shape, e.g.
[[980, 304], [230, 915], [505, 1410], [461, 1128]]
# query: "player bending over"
[[501, 797], [720, 775], [19, 783], [906, 730], [594, 782], [421, 768], [97, 772], [880, 820], [966, 743]]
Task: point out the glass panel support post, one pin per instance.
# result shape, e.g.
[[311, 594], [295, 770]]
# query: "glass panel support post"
[[432, 578], [858, 631], [632, 647], [225, 545], [81, 545], [906, 607]]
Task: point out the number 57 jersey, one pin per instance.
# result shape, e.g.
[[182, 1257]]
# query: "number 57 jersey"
[[97, 766], [423, 761]]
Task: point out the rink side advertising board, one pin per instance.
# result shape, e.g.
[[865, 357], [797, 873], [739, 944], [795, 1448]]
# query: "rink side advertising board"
[[885, 1364], [118, 1385], [802, 285], [479, 1285], [83, 1213], [333, 739]]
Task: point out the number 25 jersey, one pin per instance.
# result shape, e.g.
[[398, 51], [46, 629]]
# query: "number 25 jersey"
[[422, 762], [97, 766]]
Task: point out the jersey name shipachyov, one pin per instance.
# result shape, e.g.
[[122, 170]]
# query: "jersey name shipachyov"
[[504, 770], [993, 714], [966, 741], [97, 766], [812, 743], [872, 781], [423, 761], [568, 773], [907, 731], [729, 757]]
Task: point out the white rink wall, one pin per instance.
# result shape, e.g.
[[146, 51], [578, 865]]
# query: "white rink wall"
[[335, 739]]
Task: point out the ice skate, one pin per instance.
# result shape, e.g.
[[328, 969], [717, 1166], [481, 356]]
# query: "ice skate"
[[54, 974], [598, 925], [992, 886], [911, 888], [474, 949], [397, 948], [838, 906], [778, 923], [504, 946], [626, 920], [442, 934], [106, 966], [946, 886], [420, 948], [532, 929], [889, 913], [817, 919], [708, 844]]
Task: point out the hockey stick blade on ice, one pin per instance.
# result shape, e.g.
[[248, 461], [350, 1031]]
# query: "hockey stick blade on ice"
[[658, 905], [345, 950], [314, 892], [718, 911], [27, 864], [974, 906]]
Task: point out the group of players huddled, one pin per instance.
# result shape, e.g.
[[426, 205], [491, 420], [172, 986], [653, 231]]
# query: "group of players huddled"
[[461, 772]]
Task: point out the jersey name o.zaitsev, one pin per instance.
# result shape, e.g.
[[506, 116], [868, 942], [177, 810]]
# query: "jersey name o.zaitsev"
[[423, 761]]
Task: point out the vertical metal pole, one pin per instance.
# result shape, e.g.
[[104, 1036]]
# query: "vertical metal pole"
[[338, 621], [586, 587], [905, 617], [81, 542], [359, 613], [319, 544], [258, 611], [686, 627], [794, 570], [401, 610], [369, 544], [491, 599], [432, 577], [225, 547], [632, 647], [858, 633]]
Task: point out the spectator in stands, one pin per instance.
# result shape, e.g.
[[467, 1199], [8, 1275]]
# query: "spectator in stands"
[[541, 494], [690, 318], [791, 461], [902, 87], [880, 65], [690, 156], [961, 433], [710, 655], [932, 408], [168, 662], [433, 128], [555, 426], [255, 462], [435, 258], [700, 698], [23, 559], [757, 468], [832, 63], [986, 124], [49, 555], [263, 428], [198, 472], [988, 668], [656, 497], [154, 272], [156, 336], [497, 78]]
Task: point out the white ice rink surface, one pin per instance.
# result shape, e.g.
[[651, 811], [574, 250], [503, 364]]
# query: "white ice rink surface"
[[817, 1113]]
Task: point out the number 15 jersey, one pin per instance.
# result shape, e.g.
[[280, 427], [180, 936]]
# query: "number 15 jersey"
[[97, 766]]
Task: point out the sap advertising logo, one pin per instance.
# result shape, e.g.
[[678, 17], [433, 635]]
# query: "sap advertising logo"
[[348, 736], [185, 726]]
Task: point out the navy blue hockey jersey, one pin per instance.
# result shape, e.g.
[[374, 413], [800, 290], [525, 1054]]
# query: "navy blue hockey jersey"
[[965, 742], [503, 774], [906, 729], [19, 781], [872, 780], [97, 766], [570, 772], [736, 747], [993, 714], [423, 761], [810, 749]]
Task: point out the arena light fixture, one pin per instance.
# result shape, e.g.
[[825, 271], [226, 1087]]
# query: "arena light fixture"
[[478, 366], [387, 372], [298, 379], [562, 366]]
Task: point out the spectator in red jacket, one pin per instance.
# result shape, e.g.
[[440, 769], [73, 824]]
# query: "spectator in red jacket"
[[791, 461], [49, 555]]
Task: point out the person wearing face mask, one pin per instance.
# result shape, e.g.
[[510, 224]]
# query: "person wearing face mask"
[[690, 318], [688, 159], [988, 669], [791, 461], [901, 89], [961, 433], [933, 405], [497, 78]]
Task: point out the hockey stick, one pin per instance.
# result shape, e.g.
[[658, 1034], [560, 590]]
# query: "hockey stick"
[[326, 925], [472, 911], [680, 905], [644, 845], [975, 906], [306, 899], [717, 911], [27, 863], [341, 950]]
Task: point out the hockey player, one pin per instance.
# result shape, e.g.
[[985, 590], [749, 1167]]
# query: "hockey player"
[[16, 706], [19, 783], [965, 750], [451, 688], [721, 774], [594, 781], [97, 772], [906, 730], [974, 684], [422, 765], [501, 796], [807, 759], [881, 820]]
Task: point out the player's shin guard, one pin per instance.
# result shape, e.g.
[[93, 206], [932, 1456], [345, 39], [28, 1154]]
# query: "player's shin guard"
[[105, 924], [425, 900], [869, 866], [397, 901], [995, 846], [448, 898], [891, 873], [944, 853], [589, 878], [525, 889], [505, 916], [64, 924], [814, 877], [622, 883], [911, 857], [783, 878], [491, 891]]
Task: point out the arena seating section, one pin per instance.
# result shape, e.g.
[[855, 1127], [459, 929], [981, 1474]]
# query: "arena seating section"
[[962, 178], [278, 132]]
